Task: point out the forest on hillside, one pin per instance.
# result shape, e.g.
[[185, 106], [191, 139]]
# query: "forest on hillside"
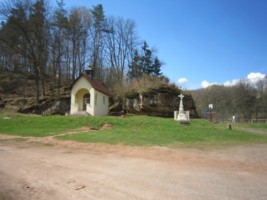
[[51, 46], [246, 100]]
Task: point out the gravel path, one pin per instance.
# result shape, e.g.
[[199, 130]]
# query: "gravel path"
[[32, 170]]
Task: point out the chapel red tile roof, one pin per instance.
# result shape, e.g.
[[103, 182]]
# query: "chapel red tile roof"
[[97, 85]]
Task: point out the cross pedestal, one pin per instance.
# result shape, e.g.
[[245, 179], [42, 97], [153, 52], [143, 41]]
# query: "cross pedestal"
[[181, 115]]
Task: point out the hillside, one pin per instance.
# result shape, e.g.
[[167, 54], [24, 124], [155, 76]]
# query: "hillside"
[[18, 93], [149, 95]]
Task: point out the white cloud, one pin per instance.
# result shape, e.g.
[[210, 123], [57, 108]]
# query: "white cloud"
[[182, 80], [253, 77], [231, 83], [205, 84]]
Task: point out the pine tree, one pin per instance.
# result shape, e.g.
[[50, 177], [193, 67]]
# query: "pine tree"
[[135, 69], [144, 64], [156, 67], [146, 59]]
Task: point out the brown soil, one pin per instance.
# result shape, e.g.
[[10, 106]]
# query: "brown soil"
[[88, 128], [106, 126], [46, 168]]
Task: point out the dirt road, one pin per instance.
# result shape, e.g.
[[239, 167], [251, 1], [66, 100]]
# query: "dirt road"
[[69, 170]]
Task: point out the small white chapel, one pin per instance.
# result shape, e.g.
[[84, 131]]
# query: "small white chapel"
[[89, 96]]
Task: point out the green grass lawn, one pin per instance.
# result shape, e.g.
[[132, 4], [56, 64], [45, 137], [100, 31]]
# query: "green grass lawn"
[[259, 126], [42, 126], [134, 130]]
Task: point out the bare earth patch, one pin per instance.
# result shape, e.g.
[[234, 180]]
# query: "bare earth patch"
[[71, 170]]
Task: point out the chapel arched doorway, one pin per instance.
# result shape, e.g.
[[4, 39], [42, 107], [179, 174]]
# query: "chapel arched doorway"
[[86, 100]]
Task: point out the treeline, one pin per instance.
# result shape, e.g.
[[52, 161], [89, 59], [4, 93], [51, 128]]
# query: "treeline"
[[55, 45], [246, 100]]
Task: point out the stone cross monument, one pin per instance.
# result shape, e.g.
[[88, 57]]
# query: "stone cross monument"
[[181, 115], [181, 106]]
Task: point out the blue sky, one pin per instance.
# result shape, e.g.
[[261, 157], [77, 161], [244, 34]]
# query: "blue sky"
[[201, 42]]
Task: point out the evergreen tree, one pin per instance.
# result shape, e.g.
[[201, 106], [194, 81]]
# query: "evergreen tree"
[[146, 59], [145, 63], [156, 70], [135, 69]]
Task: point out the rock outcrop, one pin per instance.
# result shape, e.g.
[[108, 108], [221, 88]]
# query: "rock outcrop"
[[46, 106], [158, 101]]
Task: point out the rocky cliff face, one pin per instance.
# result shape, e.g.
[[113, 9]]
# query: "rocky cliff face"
[[158, 102], [46, 106]]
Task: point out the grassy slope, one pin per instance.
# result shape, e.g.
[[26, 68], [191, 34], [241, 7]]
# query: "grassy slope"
[[135, 130], [38, 126], [260, 126], [143, 130]]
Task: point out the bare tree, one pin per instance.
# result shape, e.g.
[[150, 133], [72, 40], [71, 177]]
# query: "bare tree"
[[98, 27], [58, 41], [261, 100], [120, 45], [26, 34], [244, 98], [79, 22]]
